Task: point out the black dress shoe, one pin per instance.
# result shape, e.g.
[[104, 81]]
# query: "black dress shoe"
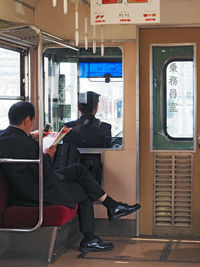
[[121, 210], [95, 244]]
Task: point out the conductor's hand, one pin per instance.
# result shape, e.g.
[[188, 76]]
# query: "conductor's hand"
[[50, 151]]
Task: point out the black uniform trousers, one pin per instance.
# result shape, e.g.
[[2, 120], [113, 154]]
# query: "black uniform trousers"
[[84, 189]]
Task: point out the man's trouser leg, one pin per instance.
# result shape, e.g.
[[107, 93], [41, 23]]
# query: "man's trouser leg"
[[81, 187], [85, 206], [79, 173]]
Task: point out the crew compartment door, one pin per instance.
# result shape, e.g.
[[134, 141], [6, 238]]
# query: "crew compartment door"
[[169, 164]]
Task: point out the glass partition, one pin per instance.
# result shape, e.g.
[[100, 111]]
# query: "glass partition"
[[105, 78], [68, 72]]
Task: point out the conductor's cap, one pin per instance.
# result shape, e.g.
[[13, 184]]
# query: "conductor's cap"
[[88, 97]]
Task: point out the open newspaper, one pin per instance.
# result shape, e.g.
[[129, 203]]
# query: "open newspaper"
[[53, 138]]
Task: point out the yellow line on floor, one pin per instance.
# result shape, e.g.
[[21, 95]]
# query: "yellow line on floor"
[[165, 240]]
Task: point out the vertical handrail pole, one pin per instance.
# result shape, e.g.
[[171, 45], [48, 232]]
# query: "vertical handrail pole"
[[40, 102], [137, 135]]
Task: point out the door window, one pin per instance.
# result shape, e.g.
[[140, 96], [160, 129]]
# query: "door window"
[[173, 97], [179, 99]]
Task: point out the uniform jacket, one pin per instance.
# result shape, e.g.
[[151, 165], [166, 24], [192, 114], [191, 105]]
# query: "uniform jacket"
[[89, 132], [22, 178]]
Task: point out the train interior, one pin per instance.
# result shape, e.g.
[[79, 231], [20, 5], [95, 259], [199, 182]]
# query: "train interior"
[[147, 76]]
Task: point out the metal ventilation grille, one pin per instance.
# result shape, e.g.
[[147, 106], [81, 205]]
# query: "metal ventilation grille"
[[173, 177]]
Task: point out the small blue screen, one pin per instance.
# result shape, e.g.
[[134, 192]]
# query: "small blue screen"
[[99, 69]]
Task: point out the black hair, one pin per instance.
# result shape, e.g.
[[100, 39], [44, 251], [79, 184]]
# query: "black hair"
[[87, 108], [90, 104], [19, 111]]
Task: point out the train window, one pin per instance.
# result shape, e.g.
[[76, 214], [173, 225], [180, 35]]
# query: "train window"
[[68, 72], [11, 89], [173, 109]]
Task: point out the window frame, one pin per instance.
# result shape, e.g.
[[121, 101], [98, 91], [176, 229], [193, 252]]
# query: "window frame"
[[158, 140], [23, 57], [112, 54]]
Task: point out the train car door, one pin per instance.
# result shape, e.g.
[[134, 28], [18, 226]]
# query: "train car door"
[[169, 114]]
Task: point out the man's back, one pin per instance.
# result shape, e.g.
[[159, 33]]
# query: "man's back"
[[89, 132], [23, 178], [14, 143]]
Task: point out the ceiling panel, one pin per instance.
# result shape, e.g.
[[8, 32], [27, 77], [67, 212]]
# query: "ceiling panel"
[[30, 3], [33, 3]]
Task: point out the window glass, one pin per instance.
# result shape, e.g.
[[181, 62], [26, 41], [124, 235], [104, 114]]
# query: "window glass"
[[5, 105], [68, 91], [110, 108], [179, 99], [100, 69], [68, 72], [60, 92], [10, 82], [9, 73]]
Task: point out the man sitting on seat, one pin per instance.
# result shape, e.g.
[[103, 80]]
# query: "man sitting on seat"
[[77, 186]]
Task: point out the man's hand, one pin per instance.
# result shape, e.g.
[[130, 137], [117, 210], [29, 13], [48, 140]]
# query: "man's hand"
[[35, 134], [51, 151]]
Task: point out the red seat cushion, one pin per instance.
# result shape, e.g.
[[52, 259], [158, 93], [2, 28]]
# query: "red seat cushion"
[[18, 216]]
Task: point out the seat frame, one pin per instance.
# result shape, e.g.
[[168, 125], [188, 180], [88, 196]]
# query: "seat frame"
[[45, 244]]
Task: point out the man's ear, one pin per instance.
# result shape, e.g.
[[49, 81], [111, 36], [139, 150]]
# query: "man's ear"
[[26, 121]]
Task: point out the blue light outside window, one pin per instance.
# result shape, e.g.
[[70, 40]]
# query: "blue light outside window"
[[94, 69]]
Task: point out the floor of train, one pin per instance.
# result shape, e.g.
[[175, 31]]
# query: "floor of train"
[[128, 252]]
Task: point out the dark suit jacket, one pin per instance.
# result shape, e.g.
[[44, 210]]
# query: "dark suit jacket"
[[22, 178], [89, 132]]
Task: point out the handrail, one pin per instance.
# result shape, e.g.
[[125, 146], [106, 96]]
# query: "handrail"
[[41, 123], [27, 35], [8, 160]]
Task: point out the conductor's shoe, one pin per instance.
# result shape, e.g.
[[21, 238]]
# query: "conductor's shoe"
[[96, 244], [121, 210]]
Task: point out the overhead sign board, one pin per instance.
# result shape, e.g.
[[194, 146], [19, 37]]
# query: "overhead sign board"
[[125, 11]]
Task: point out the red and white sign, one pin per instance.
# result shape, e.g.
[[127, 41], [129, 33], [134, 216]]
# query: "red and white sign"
[[125, 11]]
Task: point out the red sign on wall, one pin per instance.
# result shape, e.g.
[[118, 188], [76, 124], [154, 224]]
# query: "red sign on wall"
[[111, 2], [125, 11], [137, 1], [121, 1]]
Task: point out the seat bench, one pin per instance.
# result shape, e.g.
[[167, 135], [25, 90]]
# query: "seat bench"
[[18, 216], [58, 231]]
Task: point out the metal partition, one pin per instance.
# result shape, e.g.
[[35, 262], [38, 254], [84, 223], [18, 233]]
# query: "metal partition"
[[32, 37]]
